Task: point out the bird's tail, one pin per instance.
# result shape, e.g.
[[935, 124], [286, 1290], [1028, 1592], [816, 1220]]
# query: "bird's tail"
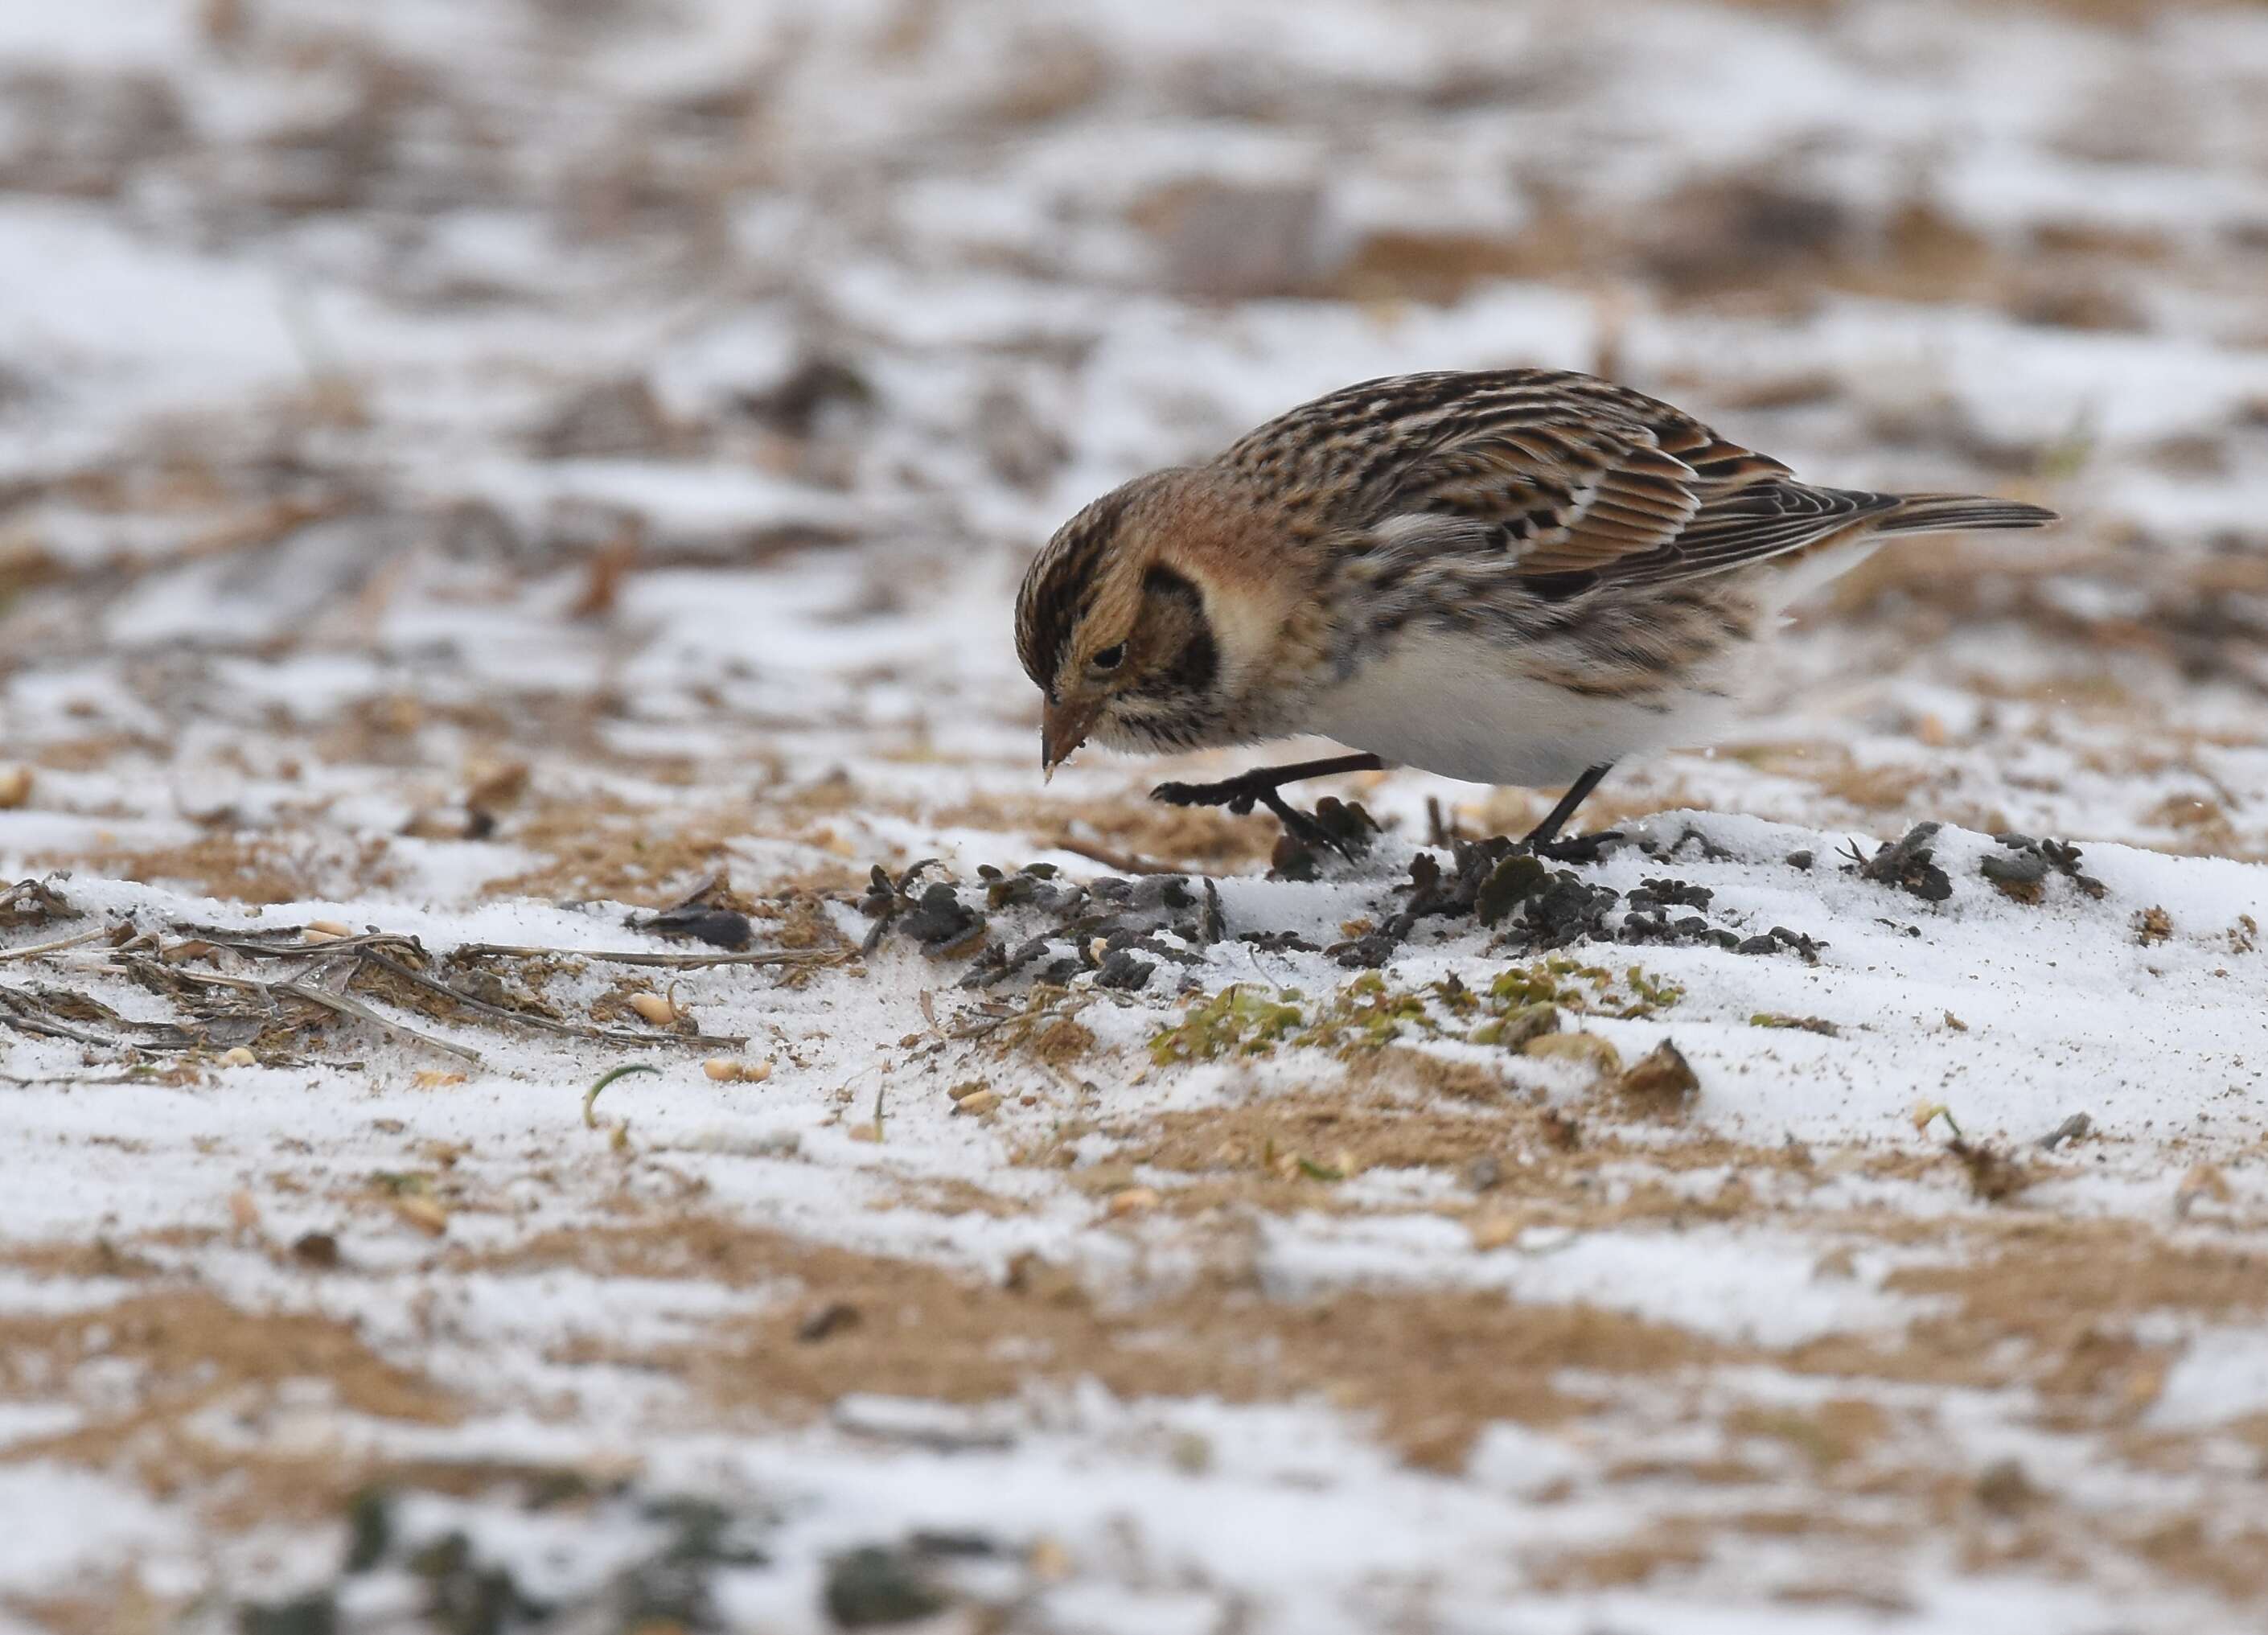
[[1960, 513], [1801, 571]]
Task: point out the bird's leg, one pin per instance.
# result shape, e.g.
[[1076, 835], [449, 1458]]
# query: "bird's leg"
[[1239, 793], [1543, 839]]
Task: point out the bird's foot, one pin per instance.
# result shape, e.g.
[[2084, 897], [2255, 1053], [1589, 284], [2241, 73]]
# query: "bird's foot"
[[1347, 830]]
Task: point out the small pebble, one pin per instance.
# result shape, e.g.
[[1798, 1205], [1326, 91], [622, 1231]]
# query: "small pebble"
[[830, 1319], [2003, 1486], [874, 1587], [1661, 1082], [430, 1216], [1587, 1047], [1494, 1231]]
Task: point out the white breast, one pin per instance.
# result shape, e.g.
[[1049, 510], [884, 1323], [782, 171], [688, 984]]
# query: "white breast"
[[1456, 704]]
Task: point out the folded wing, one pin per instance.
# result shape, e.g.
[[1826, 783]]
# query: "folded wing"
[[1566, 480]]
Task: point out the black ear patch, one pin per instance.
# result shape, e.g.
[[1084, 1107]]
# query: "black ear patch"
[[1164, 582], [1176, 604], [1060, 585]]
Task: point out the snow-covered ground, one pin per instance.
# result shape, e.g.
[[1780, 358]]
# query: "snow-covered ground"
[[473, 476]]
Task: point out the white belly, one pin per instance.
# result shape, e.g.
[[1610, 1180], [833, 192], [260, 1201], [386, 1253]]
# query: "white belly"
[[1452, 703]]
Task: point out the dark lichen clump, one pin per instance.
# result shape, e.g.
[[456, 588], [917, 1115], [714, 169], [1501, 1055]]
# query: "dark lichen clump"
[[461, 1589], [1122, 930], [1908, 864], [1532, 905], [2022, 873], [1034, 926]]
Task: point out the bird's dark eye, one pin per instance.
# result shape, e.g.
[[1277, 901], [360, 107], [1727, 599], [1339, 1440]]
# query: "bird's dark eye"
[[1110, 658]]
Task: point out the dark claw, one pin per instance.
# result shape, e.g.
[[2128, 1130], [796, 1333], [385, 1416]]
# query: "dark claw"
[[1235, 793], [1224, 794]]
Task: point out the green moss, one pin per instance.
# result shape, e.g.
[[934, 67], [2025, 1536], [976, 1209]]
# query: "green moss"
[[1368, 1013], [1652, 993], [1592, 989], [1238, 1020]]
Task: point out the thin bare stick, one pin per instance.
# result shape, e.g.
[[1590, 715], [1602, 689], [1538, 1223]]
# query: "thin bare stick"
[[49, 1084], [573, 1030], [36, 1024], [346, 1004], [677, 961], [341, 1004], [203, 979], [328, 949], [56, 947]]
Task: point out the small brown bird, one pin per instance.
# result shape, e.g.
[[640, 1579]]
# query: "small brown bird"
[[1509, 576]]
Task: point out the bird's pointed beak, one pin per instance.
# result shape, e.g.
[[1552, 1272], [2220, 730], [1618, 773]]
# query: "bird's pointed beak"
[[1063, 728]]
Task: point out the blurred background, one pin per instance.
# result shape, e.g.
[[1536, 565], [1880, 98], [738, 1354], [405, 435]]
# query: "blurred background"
[[455, 447], [455, 453]]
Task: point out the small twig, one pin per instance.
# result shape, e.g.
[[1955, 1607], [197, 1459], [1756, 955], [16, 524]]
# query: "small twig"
[[573, 1030], [329, 999], [264, 991], [56, 947], [327, 949], [1125, 863], [682, 961], [986, 1022], [203, 979], [15, 1016], [383, 940], [346, 1004], [47, 1084]]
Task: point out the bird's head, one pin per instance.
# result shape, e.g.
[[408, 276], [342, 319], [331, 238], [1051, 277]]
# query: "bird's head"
[[1134, 619]]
